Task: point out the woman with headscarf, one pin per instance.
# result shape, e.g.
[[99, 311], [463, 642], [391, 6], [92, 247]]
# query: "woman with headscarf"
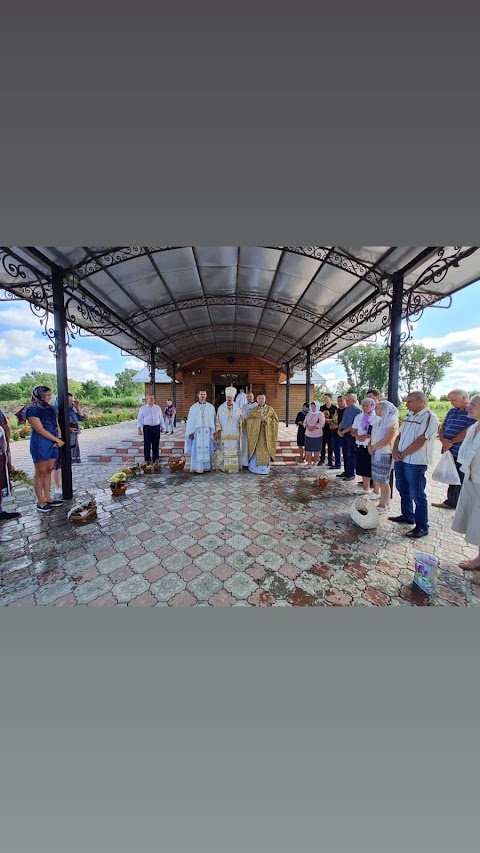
[[384, 433], [467, 513], [313, 423], [361, 431], [45, 442]]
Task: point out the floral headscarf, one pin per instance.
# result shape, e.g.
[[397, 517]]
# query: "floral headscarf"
[[37, 399], [38, 396]]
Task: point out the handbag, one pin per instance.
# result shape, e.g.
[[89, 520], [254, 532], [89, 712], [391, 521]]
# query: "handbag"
[[446, 470]]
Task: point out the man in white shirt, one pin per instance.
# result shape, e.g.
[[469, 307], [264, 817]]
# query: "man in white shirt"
[[412, 454], [150, 421]]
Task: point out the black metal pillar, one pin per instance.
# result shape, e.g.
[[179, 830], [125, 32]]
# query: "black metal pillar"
[[59, 325], [287, 395], [152, 369], [308, 376], [395, 338]]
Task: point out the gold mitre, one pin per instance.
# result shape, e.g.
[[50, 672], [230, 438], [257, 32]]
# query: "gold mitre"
[[230, 392]]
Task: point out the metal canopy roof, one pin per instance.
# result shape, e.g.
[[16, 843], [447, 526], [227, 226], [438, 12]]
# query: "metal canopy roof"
[[270, 302]]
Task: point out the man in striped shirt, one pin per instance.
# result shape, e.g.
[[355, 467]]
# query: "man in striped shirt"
[[413, 453], [451, 434]]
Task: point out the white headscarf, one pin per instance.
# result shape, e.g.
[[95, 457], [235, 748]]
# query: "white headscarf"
[[389, 418]]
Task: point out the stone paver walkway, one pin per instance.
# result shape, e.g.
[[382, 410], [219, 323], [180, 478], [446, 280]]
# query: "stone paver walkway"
[[219, 540]]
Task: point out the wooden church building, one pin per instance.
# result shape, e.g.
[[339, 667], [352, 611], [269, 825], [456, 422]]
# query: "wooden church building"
[[214, 374]]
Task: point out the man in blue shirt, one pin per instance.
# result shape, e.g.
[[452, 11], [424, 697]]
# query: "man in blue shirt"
[[451, 434], [345, 432]]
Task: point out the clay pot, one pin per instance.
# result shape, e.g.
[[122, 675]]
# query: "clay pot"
[[323, 482]]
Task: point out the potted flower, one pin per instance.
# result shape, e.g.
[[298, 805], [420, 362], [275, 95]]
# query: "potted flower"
[[118, 483]]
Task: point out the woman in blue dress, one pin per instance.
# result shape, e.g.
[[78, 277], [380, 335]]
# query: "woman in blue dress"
[[45, 441]]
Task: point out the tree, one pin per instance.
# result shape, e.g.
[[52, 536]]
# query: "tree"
[[11, 391], [422, 368], [37, 377], [366, 365], [107, 391], [124, 386], [91, 389]]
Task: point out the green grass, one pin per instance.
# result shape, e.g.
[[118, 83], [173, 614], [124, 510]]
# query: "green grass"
[[440, 409]]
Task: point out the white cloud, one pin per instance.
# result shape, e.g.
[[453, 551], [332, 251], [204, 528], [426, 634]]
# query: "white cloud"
[[22, 350], [17, 315], [134, 363], [466, 341], [18, 344]]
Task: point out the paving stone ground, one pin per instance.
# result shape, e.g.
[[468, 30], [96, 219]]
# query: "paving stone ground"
[[183, 540]]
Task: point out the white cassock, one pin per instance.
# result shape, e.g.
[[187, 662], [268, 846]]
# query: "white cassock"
[[200, 422], [228, 423], [241, 399], [246, 409]]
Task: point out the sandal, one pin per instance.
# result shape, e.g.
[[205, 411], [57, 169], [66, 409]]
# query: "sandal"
[[467, 564]]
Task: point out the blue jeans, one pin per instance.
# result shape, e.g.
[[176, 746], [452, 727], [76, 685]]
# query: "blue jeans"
[[337, 444], [411, 484]]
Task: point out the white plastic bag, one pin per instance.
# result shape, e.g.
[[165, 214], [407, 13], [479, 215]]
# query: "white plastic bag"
[[446, 470]]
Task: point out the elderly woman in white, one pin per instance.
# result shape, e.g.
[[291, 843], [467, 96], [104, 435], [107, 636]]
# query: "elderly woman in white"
[[467, 514]]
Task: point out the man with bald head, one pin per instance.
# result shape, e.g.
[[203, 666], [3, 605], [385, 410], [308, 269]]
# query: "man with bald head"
[[413, 453]]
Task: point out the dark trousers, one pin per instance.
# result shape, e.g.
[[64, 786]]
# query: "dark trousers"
[[453, 492], [337, 445], [327, 443], [349, 454], [151, 442]]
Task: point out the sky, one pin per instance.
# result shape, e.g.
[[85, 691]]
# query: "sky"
[[24, 348]]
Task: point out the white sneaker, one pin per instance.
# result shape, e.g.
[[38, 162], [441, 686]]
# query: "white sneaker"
[[362, 492], [374, 497]]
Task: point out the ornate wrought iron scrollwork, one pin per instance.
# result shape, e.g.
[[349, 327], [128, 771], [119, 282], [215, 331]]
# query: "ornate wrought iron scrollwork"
[[231, 327], [250, 301], [420, 295], [112, 257], [336, 259], [355, 328]]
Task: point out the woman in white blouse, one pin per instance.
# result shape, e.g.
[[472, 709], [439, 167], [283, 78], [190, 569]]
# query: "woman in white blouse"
[[467, 514], [361, 431], [384, 433]]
